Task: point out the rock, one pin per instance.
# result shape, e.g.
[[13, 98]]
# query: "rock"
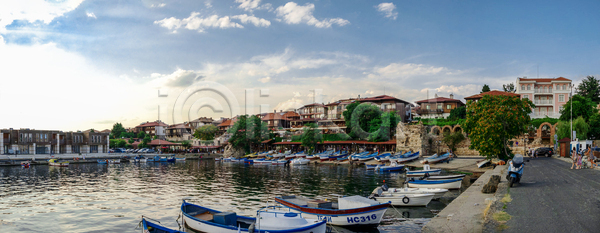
[[492, 185]]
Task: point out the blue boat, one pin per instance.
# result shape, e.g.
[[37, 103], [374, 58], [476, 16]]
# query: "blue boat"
[[382, 157], [406, 157], [437, 158], [394, 167], [102, 161], [345, 158], [371, 167], [150, 159], [443, 184], [150, 227]]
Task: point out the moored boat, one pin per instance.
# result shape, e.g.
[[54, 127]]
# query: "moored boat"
[[102, 161], [353, 211], [150, 227], [56, 162], [371, 166], [25, 164], [274, 220], [438, 192], [299, 161], [404, 199], [407, 157], [393, 167], [279, 162], [114, 161], [443, 184], [448, 177], [436, 158], [426, 170]]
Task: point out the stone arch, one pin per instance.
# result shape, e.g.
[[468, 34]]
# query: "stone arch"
[[457, 128], [436, 130], [550, 130], [447, 129]]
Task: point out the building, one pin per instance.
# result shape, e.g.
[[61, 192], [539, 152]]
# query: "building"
[[280, 120], [548, 94], [32, 141], [493, 92], [310, 113], [200, 122], [335, 117], [438, 107], [155, 128], [179, 132]]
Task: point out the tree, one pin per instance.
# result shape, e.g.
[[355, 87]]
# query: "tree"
[[594, 123], [581, 128], [121, 143], [131, 141], [147, 139], [117, 130], [382, 128], [453, 139], [363, 117], [485, 88], [582, 106], [348, 116], [590, 88], [458, 113], [508, 87], [493, 121], [247, 132], [127, 135], [186, 144], [310, 137], [206, 132], [141, 134]]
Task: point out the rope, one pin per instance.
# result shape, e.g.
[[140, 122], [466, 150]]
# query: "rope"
[[397, 211]]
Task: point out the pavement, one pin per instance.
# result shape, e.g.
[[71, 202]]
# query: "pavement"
[[553, 198]]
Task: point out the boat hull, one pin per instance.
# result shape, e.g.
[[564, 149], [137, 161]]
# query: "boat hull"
[[423, 172], [406, 199], [438, 192], [446, 185]]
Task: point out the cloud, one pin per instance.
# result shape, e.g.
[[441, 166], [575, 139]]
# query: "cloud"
[[179, 78], [159, 5], [251, 5], [208, 3], [265, 80], [259, 22], [197, 23], [34, 10], [388, 9], [292, 13], [290, 105], [91, 15], [400, 70]]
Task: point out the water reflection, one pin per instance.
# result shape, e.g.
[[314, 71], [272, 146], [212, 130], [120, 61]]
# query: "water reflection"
[[100, 197]]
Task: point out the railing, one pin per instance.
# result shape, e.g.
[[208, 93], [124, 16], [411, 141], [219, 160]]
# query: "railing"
[[430, 111], [543, 91], [544, 102], [544, 114]]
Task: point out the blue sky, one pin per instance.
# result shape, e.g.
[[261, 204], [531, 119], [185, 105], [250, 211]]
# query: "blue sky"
[[108, 59]]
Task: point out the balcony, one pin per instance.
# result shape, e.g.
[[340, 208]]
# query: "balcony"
[[430, 111], [544, 102], [536, 115], [540, 91]]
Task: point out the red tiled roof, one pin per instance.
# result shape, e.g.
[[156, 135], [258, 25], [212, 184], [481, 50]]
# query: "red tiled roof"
[[273, 116], [313, 104], [381, 98], [179, 126], [494, 92], [227, 122], [332, 104], [291, 114], [439, 100], [545, 79], [158, 142], [149, 124]]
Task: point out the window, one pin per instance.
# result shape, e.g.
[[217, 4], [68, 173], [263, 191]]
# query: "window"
[[561, 98], [427, 106], [448, 106], [525, 96], [522, 87], [439, 106], [528, 87]]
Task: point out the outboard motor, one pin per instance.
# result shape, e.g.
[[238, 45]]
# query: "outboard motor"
[[515, 170], [384, 187]]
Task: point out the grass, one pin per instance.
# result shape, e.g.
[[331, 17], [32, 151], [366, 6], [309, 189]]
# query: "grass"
[[506, 198], [501, 217]]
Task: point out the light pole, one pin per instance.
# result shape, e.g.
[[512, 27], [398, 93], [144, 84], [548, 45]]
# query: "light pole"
[[571, 100]]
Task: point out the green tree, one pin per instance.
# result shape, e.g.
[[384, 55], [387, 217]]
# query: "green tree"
[[147, 139], [206, 132], [383, 128], [186, 144], [310, 137], [582, 106], [485, 88], [493, 121], [458, 113], [141, 134], [363, 117], [579, 126], [348, 117], [121, 143], [112, 143], [131, 141], [590, 88], [453, 139], [247, 132], [117, 130], [508, 87], [594, 123], [127, 135]]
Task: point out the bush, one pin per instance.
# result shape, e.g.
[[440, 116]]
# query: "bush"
[[296, 138], [336, 137]]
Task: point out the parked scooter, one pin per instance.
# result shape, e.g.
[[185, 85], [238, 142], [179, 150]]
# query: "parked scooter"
[[515, 170]]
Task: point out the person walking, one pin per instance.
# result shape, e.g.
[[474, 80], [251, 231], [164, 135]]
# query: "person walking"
[[573, 159]]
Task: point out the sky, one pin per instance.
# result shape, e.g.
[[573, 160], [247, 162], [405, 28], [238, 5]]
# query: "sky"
[[80, 64]]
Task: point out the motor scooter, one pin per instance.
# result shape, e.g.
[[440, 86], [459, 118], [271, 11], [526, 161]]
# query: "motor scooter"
[[515, 170]]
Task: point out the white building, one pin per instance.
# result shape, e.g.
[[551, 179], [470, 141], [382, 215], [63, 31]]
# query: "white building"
[[548, 94]]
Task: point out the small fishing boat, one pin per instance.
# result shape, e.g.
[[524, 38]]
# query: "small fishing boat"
[[218, 159], [426, 170], [343, 159], [279, 162], [448, 177], [436, 158], [263, 162], [102, 161], [179, 159], [312, 157], [300, 154], [337, 156], [438, 192], [442, 184], [137, 159], [56, 162], [421, 199], [290, 156], [150, 227], [270, 219], [371, 166], [353, 211], [114, 161], [367, 157], [299, 161], [150, 159], [324, 158], [383, 157], [170, 159], [393, 167], [482, 163], [407, 157], [25, 164]]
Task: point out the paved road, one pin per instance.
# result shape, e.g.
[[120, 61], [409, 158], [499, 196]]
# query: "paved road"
[[554, 198]]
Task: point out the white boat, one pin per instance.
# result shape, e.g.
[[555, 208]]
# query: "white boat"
[[278, 155], [312, 157], [436, 158], [218, 159], [448, 177], [263, 162], [426, 170], [438, 192], [56, 162], [143, 160], [274, 220], [279, 162], [300, 161], [442, 184], [114, 161], [407, 157], [353, 211], [405, 199]]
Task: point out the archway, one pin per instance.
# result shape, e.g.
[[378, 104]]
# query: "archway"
[[436, 130], [447, 129], [457, 128]]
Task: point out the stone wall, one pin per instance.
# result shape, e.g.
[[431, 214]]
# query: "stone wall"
[[411, 138], [229, 151]]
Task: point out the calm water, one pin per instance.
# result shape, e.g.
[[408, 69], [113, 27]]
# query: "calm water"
[[94, 197]]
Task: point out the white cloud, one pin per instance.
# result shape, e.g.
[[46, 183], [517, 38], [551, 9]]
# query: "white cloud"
[[34, 10], [251, 5], [197, 23], [265, 80], [179, 78], [259, 22], [388, 9], [91, 15], [291, 104], [292, 13], [159, 5], [403, 70], [208, 3]]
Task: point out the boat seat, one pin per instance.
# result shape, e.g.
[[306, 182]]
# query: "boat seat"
[[206, 216]]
